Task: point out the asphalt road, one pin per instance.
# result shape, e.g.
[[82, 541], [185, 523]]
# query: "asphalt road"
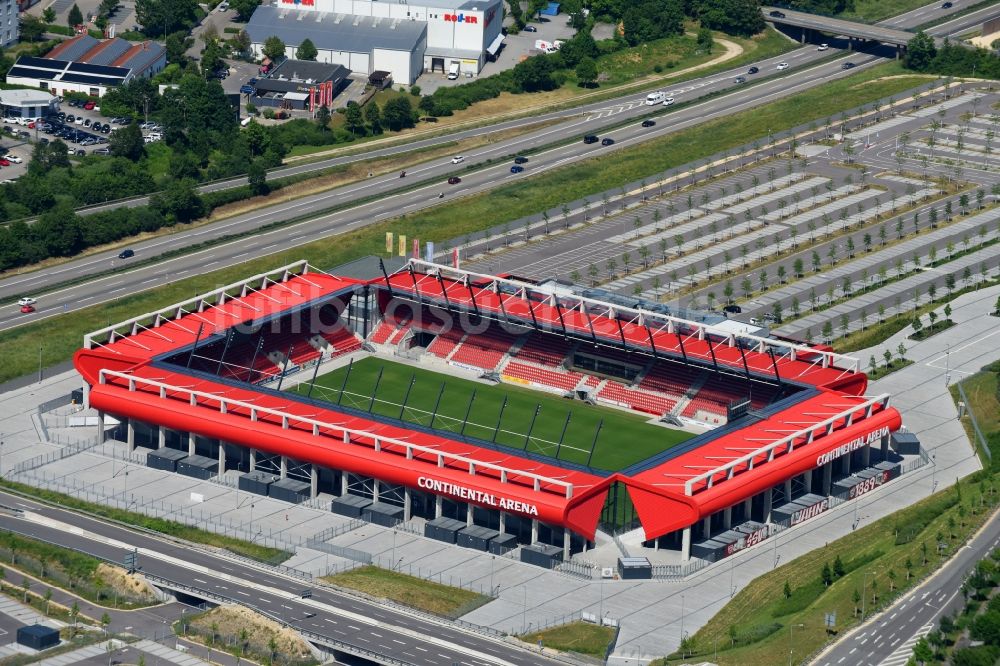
[[801, 75], [327, 617], [917, 612]]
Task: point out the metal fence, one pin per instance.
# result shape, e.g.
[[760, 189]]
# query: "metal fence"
[[578, 568], [983, 444]]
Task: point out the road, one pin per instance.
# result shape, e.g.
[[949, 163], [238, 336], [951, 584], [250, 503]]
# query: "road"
[[889, 639], [376, 201], [328, 617]]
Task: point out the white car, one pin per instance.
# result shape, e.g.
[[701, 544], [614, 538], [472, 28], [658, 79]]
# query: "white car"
[[27, 300], [458, 159], [13, 158], [782, 65], [822, 47], [223, 6], [668, 101]]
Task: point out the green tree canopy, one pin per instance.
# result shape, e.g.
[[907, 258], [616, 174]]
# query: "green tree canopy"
[[162, 17], [398, 114], [734, 17], [75, 16], [244, 8], [586, 72], [920, 52], [31, 27], [307, 50], [127, 142], [274, 48]]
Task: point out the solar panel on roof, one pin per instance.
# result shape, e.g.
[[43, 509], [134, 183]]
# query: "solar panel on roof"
[[101, 70], [92, 80], [110, 53], [31, 61]]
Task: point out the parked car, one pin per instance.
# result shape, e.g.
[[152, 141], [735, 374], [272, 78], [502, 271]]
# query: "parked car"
[[246, 89], [530, 28], [89, 106], [732, 308], [102, 151], [516, 169]]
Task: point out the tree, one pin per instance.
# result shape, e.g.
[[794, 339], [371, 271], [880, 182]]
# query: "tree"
[[75, 16], [373, 116], [307, 50], [273, 48], [257, 178], [827, 331], [105, 621], [917, 325], [933, 317], [244, 8], [534, 74], [826, 574], [787, 590], [947, 311], [323, 118], [49, 15], [272, 647], [901, 351], [920, 52], [48, 599], [25, 585], [735, 17], [398, 114], [838, 567], [887, 355], [856, 598], [31, 27], [177, 44], [179, 202], [162, 17], [586, 72], [922, 650], [353, 118], [704, 39]]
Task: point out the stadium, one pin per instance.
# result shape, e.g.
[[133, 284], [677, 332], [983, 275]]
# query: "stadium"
[[535, 413]]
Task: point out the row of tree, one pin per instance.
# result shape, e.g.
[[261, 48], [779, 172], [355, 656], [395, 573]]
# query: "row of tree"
[[923, 55]]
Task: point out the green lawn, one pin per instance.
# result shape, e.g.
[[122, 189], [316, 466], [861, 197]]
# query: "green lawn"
[[581, 637], [443, 600], [623, 438]]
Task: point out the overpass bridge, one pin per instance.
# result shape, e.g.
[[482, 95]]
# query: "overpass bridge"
[[810, 24]]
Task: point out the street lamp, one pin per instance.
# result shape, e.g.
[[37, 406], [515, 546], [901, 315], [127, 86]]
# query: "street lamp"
[[790, 628]]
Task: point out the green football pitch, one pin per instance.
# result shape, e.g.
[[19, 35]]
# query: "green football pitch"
[[528, 420]]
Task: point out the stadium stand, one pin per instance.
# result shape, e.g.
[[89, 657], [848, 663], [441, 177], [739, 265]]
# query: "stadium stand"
[[485, 350], [545, 349], [640, 401], [382, 332], [444, 344], [342, 340], [670, 378], [565, 381]]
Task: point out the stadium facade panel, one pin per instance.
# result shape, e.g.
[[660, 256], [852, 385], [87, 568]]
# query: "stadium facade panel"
[[213, 367]]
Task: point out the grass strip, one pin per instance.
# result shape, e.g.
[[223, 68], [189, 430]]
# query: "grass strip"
[[580, 637], [883, 370], [57, 338], [167, 527], [551, 434], [883, 559], [982, 401], [437, 598]]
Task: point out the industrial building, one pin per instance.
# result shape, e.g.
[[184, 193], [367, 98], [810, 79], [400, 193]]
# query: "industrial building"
[[87, 65], [24, 103], [404, 39], [300, 84]]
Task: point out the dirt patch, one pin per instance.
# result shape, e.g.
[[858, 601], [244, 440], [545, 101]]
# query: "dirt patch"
[[129, 586], [241, 630]]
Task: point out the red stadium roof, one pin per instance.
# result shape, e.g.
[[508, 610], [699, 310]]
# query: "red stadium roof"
[[123, 381]]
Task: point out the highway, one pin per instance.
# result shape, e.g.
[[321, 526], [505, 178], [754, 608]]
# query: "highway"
[[376, 201], [329, 617], [889, 638]]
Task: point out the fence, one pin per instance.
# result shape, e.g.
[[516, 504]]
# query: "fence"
[[578, 568], [674, 572], [983, 444]]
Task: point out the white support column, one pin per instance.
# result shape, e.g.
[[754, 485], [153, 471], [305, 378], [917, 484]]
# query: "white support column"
[[438, 506], [788, 491], [534, 531], [747, 508], [313, 481], [866, 455], [376, 488], [686, 544], [192, 440], [468, 515], [767, 505], [827, 478], [343, 483], [161, 437], [727, 517], [130, 434], [503, 523], [706, 527], [407, 504], [566, 543], [222, 457], [807, 480], [253, 459], [284, 468], [100, 426]]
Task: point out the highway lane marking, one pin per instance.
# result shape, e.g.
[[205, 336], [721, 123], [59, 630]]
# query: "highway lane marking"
[[420, 648], [374, 634], [242, 592], [199, 580], [396, 640], [351, 626]]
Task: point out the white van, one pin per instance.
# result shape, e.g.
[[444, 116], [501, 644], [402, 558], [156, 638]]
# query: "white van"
[[655, 97], [453, 71], [543, 45]]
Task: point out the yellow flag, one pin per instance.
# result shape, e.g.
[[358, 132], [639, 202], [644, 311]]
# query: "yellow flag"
[[388, 243], [402, 245]]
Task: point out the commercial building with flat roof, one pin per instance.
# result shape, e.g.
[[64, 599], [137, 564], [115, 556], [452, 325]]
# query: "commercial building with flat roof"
[[300, 84], [367, 35], [87, 65], [22, 103], [359, 43]]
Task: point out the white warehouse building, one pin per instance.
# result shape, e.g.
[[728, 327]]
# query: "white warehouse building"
[[367, 35]]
